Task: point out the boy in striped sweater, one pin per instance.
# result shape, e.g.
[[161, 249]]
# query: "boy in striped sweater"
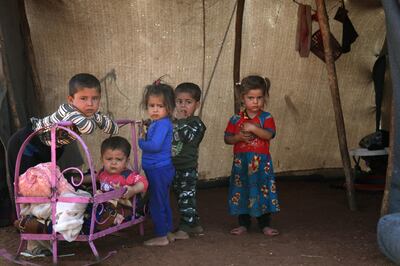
[[81, 109]]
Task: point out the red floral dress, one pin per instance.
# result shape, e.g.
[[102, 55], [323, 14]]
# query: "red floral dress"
[[252, 187]]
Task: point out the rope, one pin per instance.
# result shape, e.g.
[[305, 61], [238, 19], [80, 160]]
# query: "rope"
[[113, 76], [217, 59]]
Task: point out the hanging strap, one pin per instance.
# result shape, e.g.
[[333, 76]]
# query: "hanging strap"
[[378, 75]]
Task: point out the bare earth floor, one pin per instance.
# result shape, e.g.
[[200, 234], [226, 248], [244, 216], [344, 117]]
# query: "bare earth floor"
[[316, 228]]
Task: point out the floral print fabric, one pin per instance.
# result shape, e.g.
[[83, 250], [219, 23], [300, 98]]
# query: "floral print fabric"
[[252, 187]]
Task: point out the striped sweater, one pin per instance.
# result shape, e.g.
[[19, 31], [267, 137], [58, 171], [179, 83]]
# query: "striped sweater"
[[82, 124]]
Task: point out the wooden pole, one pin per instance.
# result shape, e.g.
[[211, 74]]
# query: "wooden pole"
[[238, 52], [5, 79], [26, 34], [334, 88], [386, 192]]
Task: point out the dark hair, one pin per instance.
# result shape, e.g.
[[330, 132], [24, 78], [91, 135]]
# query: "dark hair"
[[83, 80], [254, 82], [116, 143], [159, 89], [191, 88]]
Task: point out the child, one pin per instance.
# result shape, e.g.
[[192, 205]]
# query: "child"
[[115, 153], [252, 190], [115, 173], [188, 133], [81, 109], [158, 100]]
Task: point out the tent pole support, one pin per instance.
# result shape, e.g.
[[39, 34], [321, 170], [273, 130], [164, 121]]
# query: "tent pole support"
[[238, 52], [334, 88], [386, 192]]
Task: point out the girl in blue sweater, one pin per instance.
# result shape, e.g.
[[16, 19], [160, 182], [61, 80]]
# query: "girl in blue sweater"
[[158, 101]]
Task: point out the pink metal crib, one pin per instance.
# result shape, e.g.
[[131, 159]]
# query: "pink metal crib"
[[96, 200]]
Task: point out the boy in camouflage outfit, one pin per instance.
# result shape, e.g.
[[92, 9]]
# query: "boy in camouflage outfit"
[[188, 133]]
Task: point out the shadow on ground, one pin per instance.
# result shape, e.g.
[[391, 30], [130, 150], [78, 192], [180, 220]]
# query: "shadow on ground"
[[316, 228]]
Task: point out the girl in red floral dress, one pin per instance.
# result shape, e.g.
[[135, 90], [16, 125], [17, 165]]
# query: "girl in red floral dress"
[[252, 189]]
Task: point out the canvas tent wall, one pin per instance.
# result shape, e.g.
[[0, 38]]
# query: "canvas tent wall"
[[128, 44]]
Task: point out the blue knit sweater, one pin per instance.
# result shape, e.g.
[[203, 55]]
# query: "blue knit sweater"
[[156, 147]]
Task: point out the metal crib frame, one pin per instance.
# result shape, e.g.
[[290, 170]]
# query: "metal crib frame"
[[96, 200]]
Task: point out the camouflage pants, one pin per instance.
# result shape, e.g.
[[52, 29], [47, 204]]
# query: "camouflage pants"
[[184, 186]]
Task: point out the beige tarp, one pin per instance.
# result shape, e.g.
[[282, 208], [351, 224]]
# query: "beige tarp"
[[139, 41]]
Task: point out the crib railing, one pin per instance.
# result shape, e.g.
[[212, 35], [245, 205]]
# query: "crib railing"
[[96, 199]]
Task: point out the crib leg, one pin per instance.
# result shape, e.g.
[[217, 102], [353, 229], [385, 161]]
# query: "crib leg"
[[94, 250], [141, 229], [55, 251], [22, 246]]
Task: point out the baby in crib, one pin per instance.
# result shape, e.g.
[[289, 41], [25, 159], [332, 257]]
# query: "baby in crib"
[[115, 173], [115, 153]]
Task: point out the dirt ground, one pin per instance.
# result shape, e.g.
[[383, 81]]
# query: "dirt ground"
[[316, 228]]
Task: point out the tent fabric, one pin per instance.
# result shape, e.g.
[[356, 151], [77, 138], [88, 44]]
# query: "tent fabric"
[[19, 74], [129, 44], [19, 77]]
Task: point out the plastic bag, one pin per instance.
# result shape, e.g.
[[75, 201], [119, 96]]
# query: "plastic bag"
[[375, 141]]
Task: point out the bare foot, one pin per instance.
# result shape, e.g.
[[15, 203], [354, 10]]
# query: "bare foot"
[[268, 231], [238, 230], [181, 235], [157, 241]]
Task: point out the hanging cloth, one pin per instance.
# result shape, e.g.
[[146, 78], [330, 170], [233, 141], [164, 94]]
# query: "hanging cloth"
[[349, 32], [317, 46], [304, 30], [378, 75]]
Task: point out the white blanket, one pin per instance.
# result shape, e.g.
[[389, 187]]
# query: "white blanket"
[[69, 216]]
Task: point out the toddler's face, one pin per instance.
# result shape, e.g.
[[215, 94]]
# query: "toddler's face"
[[253, 101], [156, 107], [86, 100], [114, 161], [185, 104]]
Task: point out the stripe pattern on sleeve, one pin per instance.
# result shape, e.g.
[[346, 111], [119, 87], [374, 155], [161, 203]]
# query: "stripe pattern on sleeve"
[[82, 125]]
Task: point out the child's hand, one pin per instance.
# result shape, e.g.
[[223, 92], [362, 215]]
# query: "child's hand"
[[249, 127], [244, 136], [130, 192], [143, 128], [75, 129], [142, 133], [247, 131], [180, 114], [146, 122]]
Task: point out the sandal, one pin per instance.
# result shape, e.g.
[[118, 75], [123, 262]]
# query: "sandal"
[[238, 230], [268, 231], [36, 252]]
